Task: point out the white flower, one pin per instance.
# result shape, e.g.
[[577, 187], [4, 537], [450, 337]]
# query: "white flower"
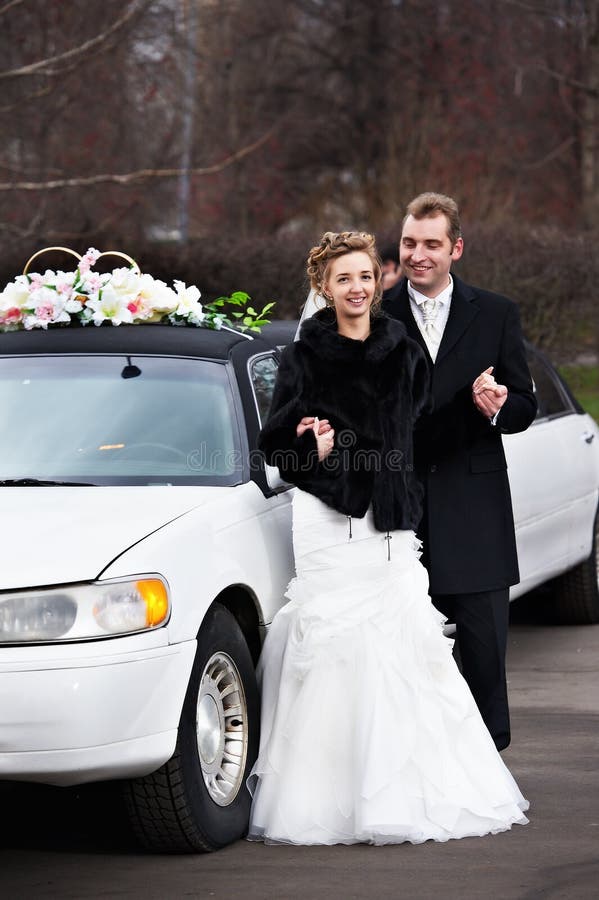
[[42, 296], [91, 284], [155, 296], [14, 302], [48, 307], [124, 285], [15, 294], [64, 284], [73, 305], [30, 322], [109, 307], [188, 303], [62, 307]]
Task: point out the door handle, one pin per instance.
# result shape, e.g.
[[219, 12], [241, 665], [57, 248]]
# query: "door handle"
[[587, 437]]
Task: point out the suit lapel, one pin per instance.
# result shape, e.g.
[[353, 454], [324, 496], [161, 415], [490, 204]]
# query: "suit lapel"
[[462, 311]]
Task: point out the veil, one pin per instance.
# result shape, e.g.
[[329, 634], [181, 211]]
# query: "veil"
[[311, 306]]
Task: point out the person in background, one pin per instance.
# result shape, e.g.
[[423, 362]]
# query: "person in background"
[[481, 388], [390, 266]]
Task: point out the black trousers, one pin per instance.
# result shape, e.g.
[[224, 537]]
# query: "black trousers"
[[481, 630]]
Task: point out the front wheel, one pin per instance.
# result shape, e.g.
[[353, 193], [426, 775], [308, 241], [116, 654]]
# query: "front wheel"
[[198, 800], [576, 593]]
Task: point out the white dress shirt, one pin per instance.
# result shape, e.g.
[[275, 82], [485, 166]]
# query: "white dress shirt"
[[444, 300]]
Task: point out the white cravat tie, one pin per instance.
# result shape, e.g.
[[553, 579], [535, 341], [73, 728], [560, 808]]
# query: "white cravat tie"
[[432, 335], [429, 311]]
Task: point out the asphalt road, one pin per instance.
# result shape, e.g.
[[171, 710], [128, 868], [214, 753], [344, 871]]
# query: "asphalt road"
[[68, 844]]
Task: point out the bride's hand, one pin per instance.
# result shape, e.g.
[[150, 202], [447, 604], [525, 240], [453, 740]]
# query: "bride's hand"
[[324, 439], [308, 423], [323, 433]]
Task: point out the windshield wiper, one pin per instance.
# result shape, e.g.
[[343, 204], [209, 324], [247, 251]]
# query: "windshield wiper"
[[39, 482]]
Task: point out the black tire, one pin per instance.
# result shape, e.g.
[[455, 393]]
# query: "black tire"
[[576, 593], [184, 807]]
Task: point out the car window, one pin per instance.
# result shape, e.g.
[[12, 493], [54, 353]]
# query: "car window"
[[551, 398], [263, 373], [117, 420]]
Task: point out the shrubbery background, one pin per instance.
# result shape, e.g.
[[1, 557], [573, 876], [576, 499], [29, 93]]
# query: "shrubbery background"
[[551, 274]]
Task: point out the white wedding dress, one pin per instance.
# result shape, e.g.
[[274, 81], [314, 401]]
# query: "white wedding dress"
[[369, 732]]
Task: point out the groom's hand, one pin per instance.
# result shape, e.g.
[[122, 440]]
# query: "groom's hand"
[[488, 396]]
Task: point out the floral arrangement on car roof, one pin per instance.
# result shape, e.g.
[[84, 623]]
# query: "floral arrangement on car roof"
[[123, 296]]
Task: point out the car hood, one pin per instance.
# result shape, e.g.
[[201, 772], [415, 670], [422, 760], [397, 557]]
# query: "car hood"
[[55, 535]]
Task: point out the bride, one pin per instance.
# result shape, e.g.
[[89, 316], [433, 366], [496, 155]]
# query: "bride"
[[369, 732]]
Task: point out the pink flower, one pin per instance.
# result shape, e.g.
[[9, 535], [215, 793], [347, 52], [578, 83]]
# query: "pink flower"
[[36, 282], [93, 282], [11, 316], [88, 260], [45, 312]]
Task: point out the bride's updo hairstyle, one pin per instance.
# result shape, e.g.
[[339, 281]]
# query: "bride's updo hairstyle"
[[334, 244]]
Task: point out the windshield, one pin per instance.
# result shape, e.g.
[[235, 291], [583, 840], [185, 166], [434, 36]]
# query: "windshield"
[[117, 420]]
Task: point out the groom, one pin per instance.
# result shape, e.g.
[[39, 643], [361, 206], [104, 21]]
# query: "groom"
[[481, 388]]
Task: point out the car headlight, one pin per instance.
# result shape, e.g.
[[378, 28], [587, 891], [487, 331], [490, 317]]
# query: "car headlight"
[[84, 611]]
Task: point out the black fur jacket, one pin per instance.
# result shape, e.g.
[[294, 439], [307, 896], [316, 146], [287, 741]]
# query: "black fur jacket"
[[372, 392]]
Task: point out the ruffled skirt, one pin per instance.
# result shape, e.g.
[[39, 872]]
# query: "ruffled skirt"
[[369, 732]]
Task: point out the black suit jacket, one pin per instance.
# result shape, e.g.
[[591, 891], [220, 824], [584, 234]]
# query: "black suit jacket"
[[468, 527]]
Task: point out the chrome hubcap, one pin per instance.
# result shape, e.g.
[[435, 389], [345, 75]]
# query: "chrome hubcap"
[[222, 728]]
